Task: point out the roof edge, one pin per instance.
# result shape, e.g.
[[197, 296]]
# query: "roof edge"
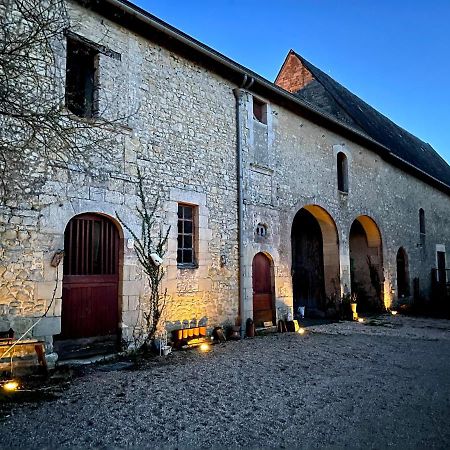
[[290, 52], [265, 85]]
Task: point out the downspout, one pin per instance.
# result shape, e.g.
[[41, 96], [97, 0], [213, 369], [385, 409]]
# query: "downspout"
[[238, 93]]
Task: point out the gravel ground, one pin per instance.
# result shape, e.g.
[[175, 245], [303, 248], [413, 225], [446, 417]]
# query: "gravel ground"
[[384, 383]]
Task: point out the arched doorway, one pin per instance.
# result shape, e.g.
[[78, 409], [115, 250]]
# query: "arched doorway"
[[315, 260], [263, 290], [90, 307], [366, 264], [402, 273]]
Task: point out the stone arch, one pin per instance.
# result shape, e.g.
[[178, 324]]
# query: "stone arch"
[[315, 258], [366, 263], [55, 217], [402, 263]]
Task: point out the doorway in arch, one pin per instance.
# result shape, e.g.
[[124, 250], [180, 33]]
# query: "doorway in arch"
[[402, 274], [90, 305], [366, 264], [263, 290], [315, 260]]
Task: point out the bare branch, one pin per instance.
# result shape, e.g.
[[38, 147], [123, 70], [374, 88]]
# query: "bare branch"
[[37, 132], [145, 245]]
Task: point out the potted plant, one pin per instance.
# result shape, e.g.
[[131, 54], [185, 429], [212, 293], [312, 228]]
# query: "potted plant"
[[353, 305], [346, 308]]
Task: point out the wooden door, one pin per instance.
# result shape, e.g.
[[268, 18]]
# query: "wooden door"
[[402, 274], [441, 268], [263, 290], [308, 275], [90, 310]]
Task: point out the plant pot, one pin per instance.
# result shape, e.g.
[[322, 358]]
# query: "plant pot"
[[250, 328], [354, 313], [301, 312]]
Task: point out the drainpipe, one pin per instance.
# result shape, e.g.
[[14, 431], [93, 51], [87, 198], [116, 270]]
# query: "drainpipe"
[[238, 93]]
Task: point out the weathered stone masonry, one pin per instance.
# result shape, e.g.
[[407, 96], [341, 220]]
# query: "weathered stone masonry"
[[299, 169], [179, 127], [183, 139]]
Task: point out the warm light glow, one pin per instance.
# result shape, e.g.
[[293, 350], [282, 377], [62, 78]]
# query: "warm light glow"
[[301, 331], [11, 385], [205, 347], [360, 320], [393, 313]]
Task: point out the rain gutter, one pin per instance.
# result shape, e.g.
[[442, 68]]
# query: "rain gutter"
[[261, 84]]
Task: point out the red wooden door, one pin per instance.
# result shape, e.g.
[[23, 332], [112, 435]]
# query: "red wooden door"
[[90, 283], [263, 298]]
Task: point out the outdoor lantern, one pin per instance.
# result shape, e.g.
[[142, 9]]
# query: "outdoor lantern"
[[205, 347], [11, 385]]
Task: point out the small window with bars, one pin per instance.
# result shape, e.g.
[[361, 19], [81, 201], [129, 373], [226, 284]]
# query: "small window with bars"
[[186, 236]]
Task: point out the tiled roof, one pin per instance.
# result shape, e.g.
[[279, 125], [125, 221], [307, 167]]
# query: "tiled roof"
[[333, 98]]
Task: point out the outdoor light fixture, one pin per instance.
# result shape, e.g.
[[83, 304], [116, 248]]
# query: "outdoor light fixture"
[[11, 386], [205, 347], [394, 313], [301, 331], [156, 259], [360, 320]]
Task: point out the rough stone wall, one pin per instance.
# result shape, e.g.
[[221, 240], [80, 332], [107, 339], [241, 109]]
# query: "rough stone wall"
[[302, 171], [178, 125]]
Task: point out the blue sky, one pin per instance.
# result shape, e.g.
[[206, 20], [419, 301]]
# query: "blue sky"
[[394, 54]]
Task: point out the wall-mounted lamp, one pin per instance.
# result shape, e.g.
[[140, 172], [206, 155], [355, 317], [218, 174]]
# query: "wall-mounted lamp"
[[57, 258], [157, 260]]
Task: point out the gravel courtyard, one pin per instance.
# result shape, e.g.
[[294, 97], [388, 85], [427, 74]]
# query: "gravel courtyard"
[[384, 383]]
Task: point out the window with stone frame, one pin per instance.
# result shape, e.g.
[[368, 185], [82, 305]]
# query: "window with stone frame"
[[81, 78], [342, 172], [187, 235], [259, 110], [422, 221]]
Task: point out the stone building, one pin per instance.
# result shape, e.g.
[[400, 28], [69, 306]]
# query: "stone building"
[[277, 195], [349, 202]]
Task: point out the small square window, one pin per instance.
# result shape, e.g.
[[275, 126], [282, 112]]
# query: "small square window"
[[186, 236], [259, 111], [81, 78]]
